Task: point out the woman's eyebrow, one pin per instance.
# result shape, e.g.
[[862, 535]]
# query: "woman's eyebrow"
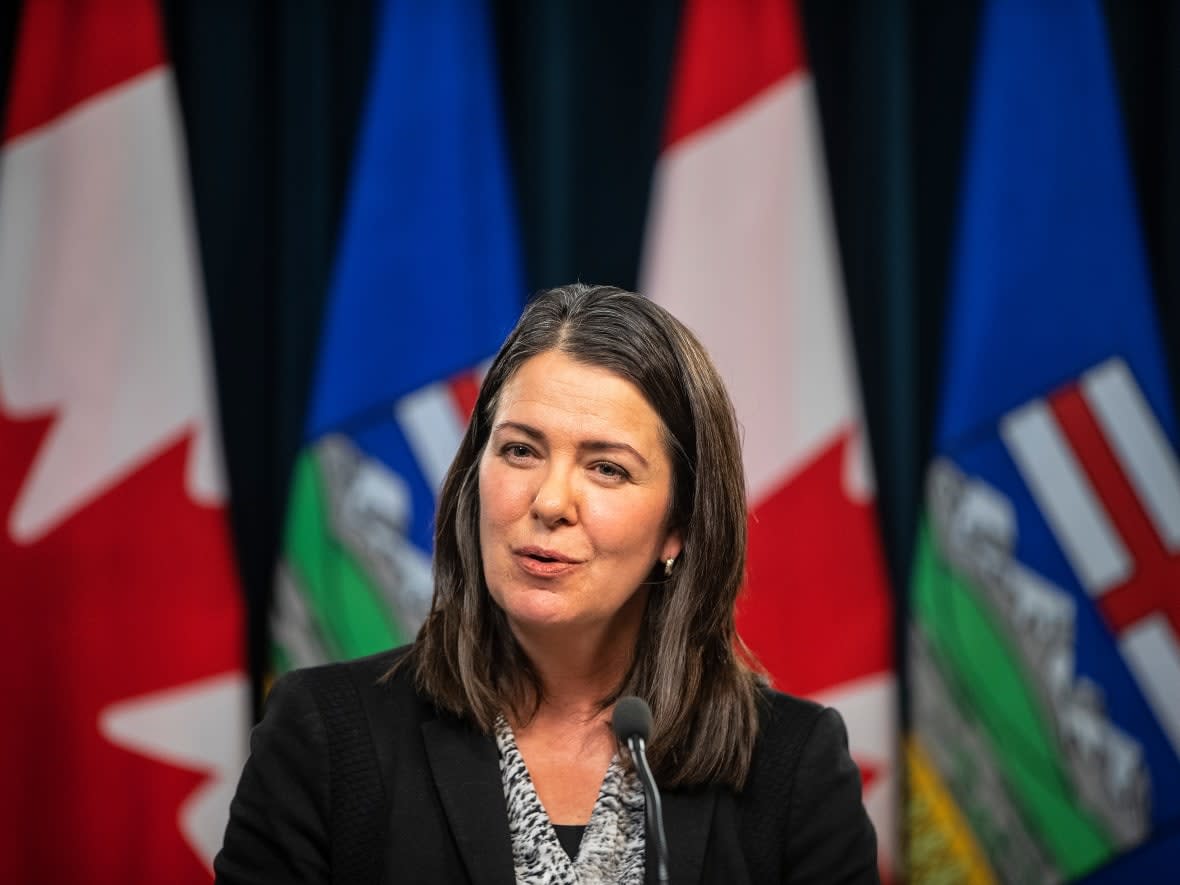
[[602, 445], [527, 429], [590, 445]]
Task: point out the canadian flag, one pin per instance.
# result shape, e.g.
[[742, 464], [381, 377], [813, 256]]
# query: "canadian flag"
[[122, 644], [740, 247]]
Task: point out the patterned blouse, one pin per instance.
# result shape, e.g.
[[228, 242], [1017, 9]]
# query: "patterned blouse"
[[612, 849]]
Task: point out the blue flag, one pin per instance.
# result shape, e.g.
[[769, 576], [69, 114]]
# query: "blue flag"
[[427, 284], [1045, 654]]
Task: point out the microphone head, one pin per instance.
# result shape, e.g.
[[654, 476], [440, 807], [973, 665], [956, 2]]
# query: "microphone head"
[[632, 718]]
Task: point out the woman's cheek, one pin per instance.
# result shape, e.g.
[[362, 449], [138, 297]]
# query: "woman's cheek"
[[505, 494]]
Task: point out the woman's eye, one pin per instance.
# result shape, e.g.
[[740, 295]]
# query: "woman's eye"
[[517, 451], [610, 471]]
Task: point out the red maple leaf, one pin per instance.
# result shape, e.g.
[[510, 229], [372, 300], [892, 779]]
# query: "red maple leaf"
[[816, 609], [134, 592]]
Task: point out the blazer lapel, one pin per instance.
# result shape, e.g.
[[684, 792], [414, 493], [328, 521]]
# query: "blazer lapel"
[[687, 817], [466, 769]]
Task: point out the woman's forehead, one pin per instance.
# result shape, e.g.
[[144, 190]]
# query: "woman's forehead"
[[552, 388]]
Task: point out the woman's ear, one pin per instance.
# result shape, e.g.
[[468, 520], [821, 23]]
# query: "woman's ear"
[[672, 546]]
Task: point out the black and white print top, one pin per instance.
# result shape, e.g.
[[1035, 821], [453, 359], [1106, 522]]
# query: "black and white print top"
[[612, 849]]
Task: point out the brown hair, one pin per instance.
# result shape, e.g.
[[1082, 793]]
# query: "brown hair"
[[689, 664]]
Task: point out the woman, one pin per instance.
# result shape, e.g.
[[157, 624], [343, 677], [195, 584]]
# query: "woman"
[[590, 544]]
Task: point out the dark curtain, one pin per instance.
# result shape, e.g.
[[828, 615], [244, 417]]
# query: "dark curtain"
[[271, 93]]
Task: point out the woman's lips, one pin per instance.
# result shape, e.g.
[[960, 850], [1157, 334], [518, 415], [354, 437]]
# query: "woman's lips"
[[543, 563]]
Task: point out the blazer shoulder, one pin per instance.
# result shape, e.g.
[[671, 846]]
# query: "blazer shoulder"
[[367, 675], [783, 704], [804, 793], [367, 669], [785, 721], [785, 725]]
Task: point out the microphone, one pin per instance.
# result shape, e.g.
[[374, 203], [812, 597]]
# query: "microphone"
[[632, 725]]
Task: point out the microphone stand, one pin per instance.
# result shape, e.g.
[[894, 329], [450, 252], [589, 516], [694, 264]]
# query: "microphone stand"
[[652, 806]]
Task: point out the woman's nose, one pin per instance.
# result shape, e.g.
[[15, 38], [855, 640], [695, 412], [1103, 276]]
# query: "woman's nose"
[[555, 501]]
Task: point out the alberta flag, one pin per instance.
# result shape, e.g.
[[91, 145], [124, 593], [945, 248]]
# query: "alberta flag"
[[741, 247], [1045, 648], [426, 286]]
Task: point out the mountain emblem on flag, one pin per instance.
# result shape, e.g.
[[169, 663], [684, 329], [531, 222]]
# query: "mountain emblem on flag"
[[356, 577], [975, 528], [1045, 661], [366, 509]]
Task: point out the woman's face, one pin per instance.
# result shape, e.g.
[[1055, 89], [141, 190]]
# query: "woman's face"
[[574, 488]]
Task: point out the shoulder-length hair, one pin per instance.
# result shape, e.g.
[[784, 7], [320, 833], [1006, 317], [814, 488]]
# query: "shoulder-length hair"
[[689, 663]]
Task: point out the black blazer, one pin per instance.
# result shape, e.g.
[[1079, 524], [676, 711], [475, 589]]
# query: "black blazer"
[[308, 789]]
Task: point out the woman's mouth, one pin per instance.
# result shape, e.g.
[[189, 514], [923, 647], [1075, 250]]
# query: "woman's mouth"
[[543, 563]]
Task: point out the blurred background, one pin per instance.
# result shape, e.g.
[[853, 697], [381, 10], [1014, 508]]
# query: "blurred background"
[[395, 178]]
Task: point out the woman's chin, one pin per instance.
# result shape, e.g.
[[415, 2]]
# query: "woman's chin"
[[542, 614], [543, 617]]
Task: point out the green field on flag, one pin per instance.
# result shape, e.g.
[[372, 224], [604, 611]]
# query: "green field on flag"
[[345, 603], [986, 670]]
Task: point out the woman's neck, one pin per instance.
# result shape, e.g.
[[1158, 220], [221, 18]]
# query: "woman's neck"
[[577, 671]]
